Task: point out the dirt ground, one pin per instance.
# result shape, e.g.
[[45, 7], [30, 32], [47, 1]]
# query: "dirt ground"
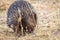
[[48, 23]]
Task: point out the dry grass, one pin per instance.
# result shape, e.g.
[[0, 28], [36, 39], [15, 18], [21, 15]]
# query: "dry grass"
[[48, 26]]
